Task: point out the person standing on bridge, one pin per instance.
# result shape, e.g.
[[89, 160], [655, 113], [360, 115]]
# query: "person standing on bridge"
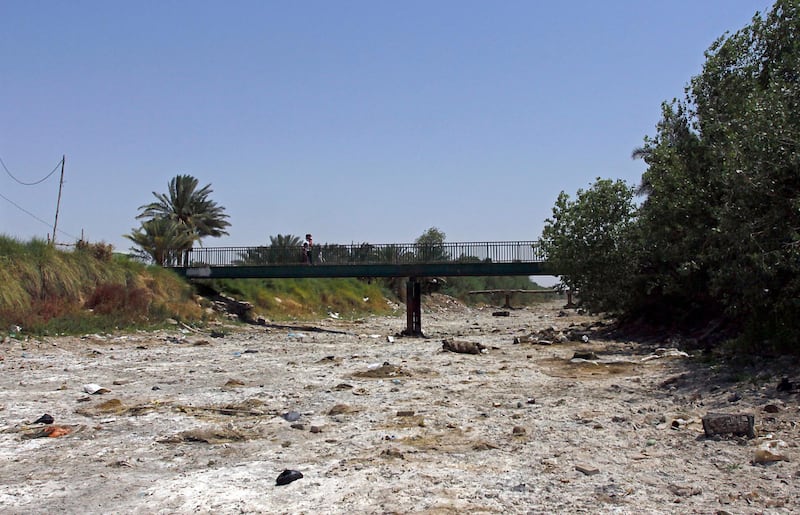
[[307, 247]]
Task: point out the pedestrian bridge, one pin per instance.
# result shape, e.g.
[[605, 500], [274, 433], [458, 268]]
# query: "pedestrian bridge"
[[410, 260], [365, 260]]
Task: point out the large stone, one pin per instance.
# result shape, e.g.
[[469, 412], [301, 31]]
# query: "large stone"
[[740, 424], [462, 346]]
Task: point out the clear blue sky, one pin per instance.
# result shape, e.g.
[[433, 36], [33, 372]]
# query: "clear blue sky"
[[358, 121]]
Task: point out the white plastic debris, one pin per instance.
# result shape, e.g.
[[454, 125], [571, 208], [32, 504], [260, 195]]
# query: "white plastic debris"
[[94, 389]]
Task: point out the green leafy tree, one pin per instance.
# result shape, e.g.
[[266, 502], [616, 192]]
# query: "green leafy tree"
[[719, 232], [589, 240], [747, 102], [285, 248], [254, 256], [334, 253], [675, 222], [158, 239], [430, 246], [393, 254], [190, 208]]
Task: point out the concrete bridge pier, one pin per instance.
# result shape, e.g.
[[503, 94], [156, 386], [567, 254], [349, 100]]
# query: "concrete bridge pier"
[[413, 308]]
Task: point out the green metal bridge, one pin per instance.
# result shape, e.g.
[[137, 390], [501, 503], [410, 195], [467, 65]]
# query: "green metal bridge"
[[410, 260]]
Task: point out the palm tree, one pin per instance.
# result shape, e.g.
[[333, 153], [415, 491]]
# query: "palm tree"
[[644, 153], [285, 248], [189, 208], [158, 239], [254, 256]]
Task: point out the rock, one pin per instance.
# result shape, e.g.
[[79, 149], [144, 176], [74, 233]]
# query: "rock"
[[44, 419], [734, 397], [518, 431], [340, 409], [764, 456], [393, 452], [772, 408], [501, 314], [287, 476], [742, 424], [785, 385], [462, 347], [378, 371], [291, 416], [579, 336], [684, 491]]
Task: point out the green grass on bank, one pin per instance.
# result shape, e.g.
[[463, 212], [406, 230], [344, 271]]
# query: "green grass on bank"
[[46, 290], [285, 299]]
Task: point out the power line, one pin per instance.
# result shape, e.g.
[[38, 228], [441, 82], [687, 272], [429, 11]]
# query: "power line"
[[34, 216], [30, 183]]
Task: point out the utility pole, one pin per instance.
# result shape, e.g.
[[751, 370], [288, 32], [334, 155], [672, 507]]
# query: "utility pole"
[[58, 202]]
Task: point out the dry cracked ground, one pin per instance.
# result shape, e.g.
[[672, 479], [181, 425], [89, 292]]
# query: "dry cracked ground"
[[182, 422]]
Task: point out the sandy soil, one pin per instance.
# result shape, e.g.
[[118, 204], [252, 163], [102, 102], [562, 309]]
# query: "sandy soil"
[[189, 423]]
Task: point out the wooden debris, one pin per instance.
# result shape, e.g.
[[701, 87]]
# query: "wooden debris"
[[207, 435], [306, 328], [587, 469]]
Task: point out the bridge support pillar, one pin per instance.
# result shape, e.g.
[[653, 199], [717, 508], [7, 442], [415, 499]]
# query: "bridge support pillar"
[[413, 308]]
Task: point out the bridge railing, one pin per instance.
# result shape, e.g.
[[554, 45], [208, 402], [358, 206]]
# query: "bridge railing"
[[364, 253]]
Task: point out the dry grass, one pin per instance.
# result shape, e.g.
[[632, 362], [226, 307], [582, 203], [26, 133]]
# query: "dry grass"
[[48, 290]]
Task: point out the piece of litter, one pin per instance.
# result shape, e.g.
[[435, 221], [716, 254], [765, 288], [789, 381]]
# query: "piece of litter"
[[94, 389]]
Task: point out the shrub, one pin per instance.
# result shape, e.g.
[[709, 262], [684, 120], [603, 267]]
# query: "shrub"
[[119, 299]]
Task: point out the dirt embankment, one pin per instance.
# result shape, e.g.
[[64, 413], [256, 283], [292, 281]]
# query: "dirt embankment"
[[182, 422]]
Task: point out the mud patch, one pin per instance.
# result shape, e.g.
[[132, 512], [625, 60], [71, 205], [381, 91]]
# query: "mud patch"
[[383, 371], [209, 435], [587, 369]]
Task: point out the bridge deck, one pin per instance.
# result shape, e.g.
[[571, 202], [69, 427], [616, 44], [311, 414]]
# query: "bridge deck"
[[365, 260]]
